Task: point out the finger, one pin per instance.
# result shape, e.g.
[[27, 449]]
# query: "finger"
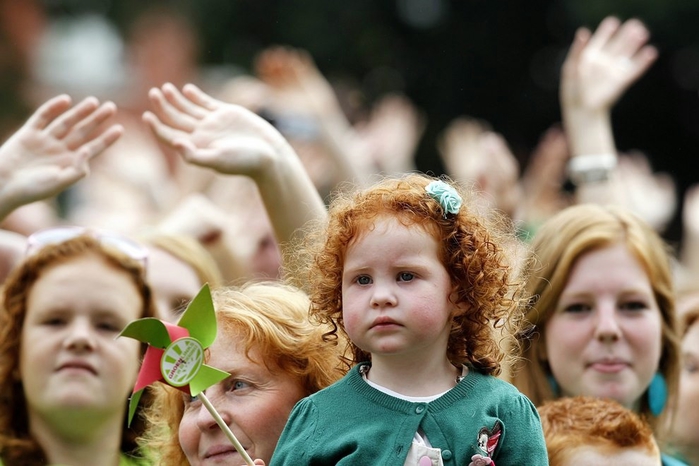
[[604, 32], [162, 131], [631, 36], [67, 176], [644, 59], [179, 101], [49, 110], [62, 125], [168, 114], [201, 98], [80, 134], [97, 145], [581, 40], [191, 154]]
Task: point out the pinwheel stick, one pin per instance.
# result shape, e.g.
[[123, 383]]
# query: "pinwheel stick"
[[225, 429]]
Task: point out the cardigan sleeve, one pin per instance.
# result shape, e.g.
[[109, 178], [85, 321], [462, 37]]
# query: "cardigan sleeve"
[[298, 439], [522, 440]]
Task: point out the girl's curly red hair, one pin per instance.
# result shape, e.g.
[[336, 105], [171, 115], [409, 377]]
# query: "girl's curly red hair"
[[475, 252]]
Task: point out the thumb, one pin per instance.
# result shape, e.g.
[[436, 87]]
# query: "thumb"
[[186, 149]]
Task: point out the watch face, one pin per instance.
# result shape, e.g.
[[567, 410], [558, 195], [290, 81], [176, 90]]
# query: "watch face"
[[593, 175], [591, 168]]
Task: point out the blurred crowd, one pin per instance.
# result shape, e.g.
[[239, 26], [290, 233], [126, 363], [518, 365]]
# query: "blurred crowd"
[[138, 152]]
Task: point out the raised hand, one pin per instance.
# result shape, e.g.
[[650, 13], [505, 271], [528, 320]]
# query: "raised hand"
[[233, 140], [52, 150], [460, 149], [600, 67], [651, 195], [295, 75], [297, 83], [210, 133], [392, 133], [472, 153]]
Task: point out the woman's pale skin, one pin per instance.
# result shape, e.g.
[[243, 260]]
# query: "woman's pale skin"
[[395, 295], [76, 374], [173, 281], [685, 431], [254, 402], [604, 339]]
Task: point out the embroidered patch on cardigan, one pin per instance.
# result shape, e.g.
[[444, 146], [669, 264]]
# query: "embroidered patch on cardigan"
[[488, 439]]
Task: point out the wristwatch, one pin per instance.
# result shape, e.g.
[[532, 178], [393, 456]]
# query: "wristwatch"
[[591, 168]]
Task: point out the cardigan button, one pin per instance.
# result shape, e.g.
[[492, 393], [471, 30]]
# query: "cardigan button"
[[419, 409], [446, 454]]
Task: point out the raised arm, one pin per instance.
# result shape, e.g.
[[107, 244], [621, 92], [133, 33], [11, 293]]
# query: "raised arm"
[[597, 71], [543, 179], [233, 140], [293, 74], [52, 149], [12, 249]]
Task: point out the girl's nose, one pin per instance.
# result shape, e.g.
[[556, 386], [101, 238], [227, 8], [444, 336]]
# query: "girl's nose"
[[383, 295]]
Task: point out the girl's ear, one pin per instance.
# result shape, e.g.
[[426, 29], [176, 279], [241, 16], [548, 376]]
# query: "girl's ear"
[[458, 309]]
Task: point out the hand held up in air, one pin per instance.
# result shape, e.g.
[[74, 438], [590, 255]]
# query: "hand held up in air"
[[52, 150]]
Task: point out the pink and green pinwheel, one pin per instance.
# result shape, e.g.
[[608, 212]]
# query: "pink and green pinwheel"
[[175, 353]]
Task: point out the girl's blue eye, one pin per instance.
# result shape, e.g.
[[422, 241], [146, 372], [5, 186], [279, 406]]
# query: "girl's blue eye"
[[363, 280], [405, 276]]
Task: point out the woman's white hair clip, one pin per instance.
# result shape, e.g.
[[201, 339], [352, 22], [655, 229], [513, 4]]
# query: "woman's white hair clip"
[[447, 196]]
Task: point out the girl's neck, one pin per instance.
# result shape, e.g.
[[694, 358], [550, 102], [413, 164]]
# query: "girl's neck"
[[79, 442], [413, 379]]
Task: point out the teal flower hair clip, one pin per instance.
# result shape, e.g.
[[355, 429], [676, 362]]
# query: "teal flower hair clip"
[[447, 196]]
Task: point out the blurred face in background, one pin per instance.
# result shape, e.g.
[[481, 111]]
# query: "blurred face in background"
[[604, 338], [70, 358], [173, 281]]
